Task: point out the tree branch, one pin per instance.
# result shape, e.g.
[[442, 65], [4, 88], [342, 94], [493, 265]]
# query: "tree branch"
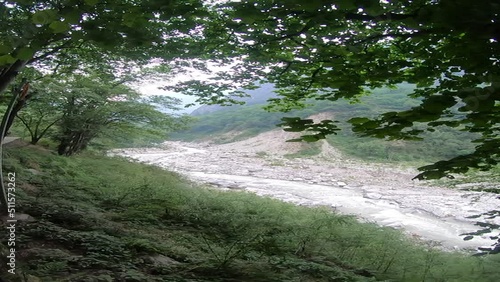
[[51, 52], [288, 65], [398, 35], [383, 17], [26, 125], [305, 28], [313, 76]]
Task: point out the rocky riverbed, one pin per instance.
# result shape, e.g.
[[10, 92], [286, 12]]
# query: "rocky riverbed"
[[377, 193]]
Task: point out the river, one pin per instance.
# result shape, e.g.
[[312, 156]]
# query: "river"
[[374, 193]]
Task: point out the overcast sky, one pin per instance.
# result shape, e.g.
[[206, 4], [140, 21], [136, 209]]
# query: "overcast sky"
[[152, 89]]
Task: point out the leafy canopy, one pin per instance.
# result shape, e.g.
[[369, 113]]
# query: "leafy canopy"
[[340, 49], [64, 35], [97, 106]]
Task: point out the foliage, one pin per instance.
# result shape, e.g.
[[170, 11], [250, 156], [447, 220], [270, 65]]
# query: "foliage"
[[331, 50], [81, 107], [163, 228], [69, 34], [43, 108]]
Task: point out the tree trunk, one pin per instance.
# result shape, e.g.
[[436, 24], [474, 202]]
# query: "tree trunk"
[[63, 146], [34, 140], [8, 74], [15, 110], [73, 142]]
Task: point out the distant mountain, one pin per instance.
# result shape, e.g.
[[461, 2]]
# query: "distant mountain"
[[234, 123], [257, 96], [251, 119]]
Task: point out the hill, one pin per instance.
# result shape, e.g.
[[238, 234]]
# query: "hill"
[[97, 218], [255, 97], [228, 124]]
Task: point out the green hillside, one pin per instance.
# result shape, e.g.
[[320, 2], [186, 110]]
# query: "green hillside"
[[249, 120], [257, 96], [96, 218]]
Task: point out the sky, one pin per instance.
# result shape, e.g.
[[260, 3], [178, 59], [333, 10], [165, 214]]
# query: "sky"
[[152, 89]]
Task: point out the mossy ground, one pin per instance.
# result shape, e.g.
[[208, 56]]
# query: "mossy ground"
[[97, 218]]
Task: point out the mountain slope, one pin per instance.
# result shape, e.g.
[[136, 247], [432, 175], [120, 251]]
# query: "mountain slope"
[[256, 97], [245, 121]]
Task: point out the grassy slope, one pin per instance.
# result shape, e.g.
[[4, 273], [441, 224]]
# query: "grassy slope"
[[105, 219]]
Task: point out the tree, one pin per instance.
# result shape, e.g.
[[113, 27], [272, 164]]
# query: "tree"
[[43, 111], [89, 105], [64, 35], [341, 49]]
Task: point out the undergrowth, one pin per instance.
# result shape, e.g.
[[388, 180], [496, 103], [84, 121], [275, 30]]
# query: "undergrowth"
[[97, 218]]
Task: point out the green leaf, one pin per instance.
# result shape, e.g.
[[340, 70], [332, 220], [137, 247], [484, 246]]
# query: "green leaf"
[[294, 129], [131, 19], [374, 10], [59, 27], [426, 117], [430, 175], [438, 103], [346, 4], [72, 17], [310, 138], [44, 17], [358, 120], [311, 5], [411, 22], [25, 53], [7, 59], [5, 49], [91, 2]]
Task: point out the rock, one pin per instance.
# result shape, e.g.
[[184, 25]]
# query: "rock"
[[214, 183], [34, 171], [162, 260], [371, 195], [31, 278], [25, 217], [341, 184], [235, 187]]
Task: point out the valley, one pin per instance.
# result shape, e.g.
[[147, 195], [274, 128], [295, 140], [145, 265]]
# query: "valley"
[[380, 193]]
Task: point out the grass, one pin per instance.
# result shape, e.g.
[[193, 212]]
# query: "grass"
[[106, 219], [308, 150]]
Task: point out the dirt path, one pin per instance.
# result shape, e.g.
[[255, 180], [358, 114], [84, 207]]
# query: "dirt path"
[[378, 193]]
